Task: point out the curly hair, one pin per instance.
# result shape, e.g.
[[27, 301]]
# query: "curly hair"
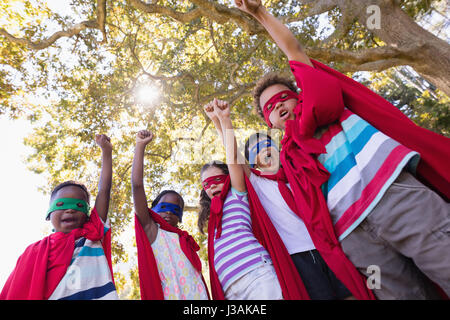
[[205, 201], [269, 80], [70, 183]]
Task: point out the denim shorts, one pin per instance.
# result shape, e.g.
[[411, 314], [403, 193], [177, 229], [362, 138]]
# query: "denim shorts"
[[320, 282]]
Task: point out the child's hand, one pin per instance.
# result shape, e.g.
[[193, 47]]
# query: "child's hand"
[[104, 142], [249, 6], [144, 137], [209, 110], [221, 109]]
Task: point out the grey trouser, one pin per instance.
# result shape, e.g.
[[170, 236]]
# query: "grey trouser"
[[407, 235]]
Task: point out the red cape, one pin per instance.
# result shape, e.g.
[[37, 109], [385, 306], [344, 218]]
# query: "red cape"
[[43, 264], [324, 94], [149, 280], [291, 284], [434, 149]]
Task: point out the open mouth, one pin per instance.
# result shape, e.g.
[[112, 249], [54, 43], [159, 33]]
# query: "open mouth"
[[68, 220], [283, 114], [216, 193]]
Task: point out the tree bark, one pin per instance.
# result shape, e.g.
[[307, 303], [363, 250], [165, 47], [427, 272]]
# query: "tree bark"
[[418, 48]]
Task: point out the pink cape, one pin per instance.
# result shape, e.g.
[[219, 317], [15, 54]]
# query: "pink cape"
[[291, 284], [149, 280], [43, 264]]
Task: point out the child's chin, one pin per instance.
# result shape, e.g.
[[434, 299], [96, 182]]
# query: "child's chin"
[[68, 229]]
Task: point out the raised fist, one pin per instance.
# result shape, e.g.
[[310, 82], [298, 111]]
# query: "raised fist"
[[144, 137], [103, 141], [249, 6]]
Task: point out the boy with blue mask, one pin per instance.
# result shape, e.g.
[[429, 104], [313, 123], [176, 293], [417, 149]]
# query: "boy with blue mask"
[[263, 157], [169, 267], [262, 153]]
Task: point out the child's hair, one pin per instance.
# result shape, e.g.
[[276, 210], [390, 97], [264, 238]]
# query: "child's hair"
[[269, 80], [205, 201], [163, 193], [70, 183], [253, 139]]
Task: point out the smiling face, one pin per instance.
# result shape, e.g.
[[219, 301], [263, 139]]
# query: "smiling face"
[[66, 220], [268, 159], [170, 217], [281, 111], [214, 189]]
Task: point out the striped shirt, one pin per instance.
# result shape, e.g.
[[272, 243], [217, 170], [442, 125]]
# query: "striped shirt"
[[363, 162], [237, 251], [88, 276]]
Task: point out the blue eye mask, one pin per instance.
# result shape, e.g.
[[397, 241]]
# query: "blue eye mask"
[[169, 207], [253, 152]]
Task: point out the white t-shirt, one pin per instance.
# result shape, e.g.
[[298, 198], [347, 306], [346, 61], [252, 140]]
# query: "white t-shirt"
[[290, 227]]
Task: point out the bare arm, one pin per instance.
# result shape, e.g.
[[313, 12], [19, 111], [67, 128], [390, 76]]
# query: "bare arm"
[[137, 185], [209, 109], [280, 33], [104, 185], [222, 110]]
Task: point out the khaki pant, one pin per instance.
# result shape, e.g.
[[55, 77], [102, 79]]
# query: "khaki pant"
[[259, 284], [407, 235]]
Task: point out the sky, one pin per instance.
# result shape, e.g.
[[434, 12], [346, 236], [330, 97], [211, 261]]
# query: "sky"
[[23, 206]]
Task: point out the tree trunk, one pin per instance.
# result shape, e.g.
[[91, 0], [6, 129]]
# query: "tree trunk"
[[426, 53]]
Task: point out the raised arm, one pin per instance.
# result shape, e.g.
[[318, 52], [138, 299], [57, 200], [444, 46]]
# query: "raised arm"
[[104, 185], [235, 167], [209, 109], [137, 185], [281, 34]]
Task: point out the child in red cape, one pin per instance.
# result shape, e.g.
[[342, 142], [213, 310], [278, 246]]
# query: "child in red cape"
[[169, 267], [348, 155], [246, 256], [74, 263], [263, 156]]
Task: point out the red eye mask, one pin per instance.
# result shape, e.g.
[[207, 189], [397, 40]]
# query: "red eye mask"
[[279, 97], [207, 183]]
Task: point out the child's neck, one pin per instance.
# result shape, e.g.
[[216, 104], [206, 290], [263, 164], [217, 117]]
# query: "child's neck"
[[264, 170]]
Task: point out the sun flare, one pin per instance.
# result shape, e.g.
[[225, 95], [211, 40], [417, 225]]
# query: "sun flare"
[[147, 94]]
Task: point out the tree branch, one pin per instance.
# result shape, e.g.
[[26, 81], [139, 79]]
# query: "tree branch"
[[76, 29], [99, 24], [183, 17], [191, 208], [373, 59], [209, 9], [101, 18]]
